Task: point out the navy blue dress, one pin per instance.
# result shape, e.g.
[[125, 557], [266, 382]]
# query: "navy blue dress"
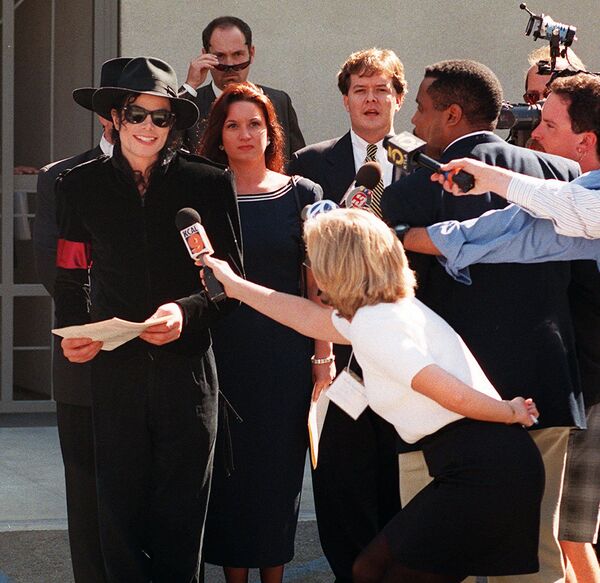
[[264, 372]]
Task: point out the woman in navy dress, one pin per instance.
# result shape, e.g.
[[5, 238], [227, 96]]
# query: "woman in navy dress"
[[264, 368]]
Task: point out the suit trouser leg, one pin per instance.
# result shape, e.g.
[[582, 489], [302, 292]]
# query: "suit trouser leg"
[[155, 424], [355, 485], [414, 475], [77, 447]]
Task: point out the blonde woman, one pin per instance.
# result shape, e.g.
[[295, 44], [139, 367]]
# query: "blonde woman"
[[480, 514]]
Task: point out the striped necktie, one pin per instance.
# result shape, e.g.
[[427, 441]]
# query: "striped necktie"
[[378, 190]]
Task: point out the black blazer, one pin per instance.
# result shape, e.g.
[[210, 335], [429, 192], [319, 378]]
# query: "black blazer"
[[71, 381], [283, 107], [515, 318], [329, 163], [138, 260]]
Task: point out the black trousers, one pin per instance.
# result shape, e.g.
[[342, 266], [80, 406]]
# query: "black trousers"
[[355, 485], [77, 447], [155, 421]]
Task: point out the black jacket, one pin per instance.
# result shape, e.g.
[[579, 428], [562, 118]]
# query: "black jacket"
[[329, 163], [138, 259], [70, 382]]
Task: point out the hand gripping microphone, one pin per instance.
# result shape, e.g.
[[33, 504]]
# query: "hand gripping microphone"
[[405, 151], [198, 244], [360, 193]]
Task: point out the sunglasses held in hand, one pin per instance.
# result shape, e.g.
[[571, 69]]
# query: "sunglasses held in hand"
[[238, 67], [161, 118]]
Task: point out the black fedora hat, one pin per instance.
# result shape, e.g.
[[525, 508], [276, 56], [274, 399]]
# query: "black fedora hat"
[[109, 75], [150, 76]]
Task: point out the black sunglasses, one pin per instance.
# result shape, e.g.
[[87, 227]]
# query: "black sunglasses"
[[532, 97], [161, 118], [238, 67]]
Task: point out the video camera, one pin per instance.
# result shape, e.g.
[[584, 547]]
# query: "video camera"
[[520, 116], [524, 117]]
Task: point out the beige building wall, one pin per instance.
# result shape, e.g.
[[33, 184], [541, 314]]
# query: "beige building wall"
[[300, 45]]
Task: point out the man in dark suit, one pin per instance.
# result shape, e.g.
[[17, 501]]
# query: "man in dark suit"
[[72, 382], [515, 318], [228, 53], [356, 481]]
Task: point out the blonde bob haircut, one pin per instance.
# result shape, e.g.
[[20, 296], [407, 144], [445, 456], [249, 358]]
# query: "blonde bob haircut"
[[357, 260]]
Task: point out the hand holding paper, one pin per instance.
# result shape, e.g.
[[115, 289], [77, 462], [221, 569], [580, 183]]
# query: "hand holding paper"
[[82, 343], [167, 327], [80, 349]]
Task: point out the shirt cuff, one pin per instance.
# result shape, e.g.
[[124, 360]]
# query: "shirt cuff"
[[190, 90], [449, 239]]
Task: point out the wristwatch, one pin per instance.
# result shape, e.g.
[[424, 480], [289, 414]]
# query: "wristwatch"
[[400, 231]]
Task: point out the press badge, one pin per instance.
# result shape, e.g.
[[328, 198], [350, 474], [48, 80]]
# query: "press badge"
[[348, 392]]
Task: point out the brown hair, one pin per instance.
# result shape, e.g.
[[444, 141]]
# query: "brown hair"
[[212, 138], [369, 62], [357, 260], [581, 93]]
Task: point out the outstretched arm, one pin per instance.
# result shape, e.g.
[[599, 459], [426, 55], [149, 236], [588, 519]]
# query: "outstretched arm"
[[301, 314], [573, 207]]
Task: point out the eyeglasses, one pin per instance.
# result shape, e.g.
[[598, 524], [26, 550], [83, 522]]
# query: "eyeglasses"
[[238, 67], [161, 118], [532, 97]]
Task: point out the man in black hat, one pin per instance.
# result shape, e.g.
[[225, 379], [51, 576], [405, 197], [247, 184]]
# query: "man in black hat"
[[72, 383], [154, 399]]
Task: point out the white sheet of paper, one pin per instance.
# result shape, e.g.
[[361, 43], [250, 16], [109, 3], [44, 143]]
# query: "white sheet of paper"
[[348, 394], [113, 332], [316, 419]]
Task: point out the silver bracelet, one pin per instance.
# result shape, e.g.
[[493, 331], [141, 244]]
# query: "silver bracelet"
[[327, 360]]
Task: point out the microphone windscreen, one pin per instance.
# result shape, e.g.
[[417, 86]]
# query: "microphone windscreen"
[[304, 212], [186, 217], [368, 175]]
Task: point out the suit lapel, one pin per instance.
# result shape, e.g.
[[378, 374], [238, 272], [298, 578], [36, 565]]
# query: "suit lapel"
[[340, 166]]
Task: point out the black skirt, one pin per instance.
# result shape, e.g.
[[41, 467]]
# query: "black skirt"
[[481, 513]]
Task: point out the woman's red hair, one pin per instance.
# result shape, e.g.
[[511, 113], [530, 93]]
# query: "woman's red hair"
[[212, 138]]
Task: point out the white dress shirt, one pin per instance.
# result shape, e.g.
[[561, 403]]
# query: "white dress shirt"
[[359, 148], [106, 147]]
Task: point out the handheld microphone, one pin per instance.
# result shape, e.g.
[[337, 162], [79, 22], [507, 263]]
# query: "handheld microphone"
[[405, 151], [197, 243], [310, 211], [360, 193]]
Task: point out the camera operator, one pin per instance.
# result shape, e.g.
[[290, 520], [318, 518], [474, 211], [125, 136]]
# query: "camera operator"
[[537, 79], [570, 127], [538, 74]]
